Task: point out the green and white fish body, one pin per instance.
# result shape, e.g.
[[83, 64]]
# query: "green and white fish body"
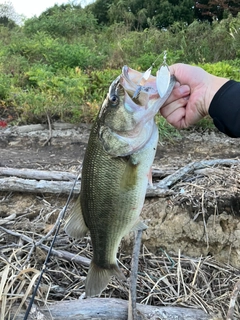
[[116, 172]]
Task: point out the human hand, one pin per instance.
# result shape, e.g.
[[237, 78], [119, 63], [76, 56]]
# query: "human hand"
[[190, 99]]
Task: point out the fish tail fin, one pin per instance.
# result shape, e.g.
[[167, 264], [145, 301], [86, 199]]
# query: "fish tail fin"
[[98, 278], [75, 225]]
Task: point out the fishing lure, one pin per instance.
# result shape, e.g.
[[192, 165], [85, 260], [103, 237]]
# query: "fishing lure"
[[141, 82], [162, 78]]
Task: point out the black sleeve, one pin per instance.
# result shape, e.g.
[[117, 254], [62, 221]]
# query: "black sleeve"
[[225, 109]]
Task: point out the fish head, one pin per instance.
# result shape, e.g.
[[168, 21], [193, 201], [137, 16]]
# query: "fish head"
[[119, 108], [126, 118], [116, 111]]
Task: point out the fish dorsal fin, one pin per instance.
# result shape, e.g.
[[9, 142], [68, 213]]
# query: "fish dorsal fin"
[[75, 226]]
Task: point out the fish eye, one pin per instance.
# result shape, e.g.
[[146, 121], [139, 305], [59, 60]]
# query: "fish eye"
[[114, 100]]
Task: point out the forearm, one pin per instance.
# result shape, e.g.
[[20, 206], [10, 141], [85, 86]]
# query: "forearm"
[[225, 109]]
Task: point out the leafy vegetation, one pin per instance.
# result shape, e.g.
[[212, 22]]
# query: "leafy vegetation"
[[141, 14], [61, 63]]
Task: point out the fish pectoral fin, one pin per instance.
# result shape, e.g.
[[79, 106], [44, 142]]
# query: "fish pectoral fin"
[[139, 225], [129, 178], [98, 278], [75, 226]]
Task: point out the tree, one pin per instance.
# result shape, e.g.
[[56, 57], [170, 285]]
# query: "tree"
[[141, 18], [100, 10], [138, 14], [169, 11], [120, 11], [58, 8], [215, 9], [8, 16], [62, 21]]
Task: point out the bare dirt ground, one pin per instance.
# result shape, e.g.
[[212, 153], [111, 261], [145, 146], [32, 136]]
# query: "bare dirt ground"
[[198, 224], [23, 147]]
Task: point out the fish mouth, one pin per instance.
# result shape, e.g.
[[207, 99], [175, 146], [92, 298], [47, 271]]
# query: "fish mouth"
[[141, 95], [132, 85], [136, 86], [144, 91]]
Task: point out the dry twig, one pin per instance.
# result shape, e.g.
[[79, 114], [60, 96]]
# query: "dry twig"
[[50, 131], [233, 301]]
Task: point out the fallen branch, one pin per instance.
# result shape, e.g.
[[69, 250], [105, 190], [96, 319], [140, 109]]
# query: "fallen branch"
[[56, 187], [8, 219], [35, 186], [62, 175], [162, 173], [38, 182], [191, 167], [111, 309], [37, 174]]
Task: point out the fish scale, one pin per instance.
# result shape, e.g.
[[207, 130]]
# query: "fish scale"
[[115, 176], [105, 173]]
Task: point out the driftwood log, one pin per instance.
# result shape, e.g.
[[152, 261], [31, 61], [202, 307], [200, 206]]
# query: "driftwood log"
[[38, 186], [111, 309], [38, 181], [37, 174]]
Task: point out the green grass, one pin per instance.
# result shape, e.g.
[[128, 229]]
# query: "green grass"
[[166, 130]]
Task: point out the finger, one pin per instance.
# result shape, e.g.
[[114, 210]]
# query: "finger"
[[178, 92], [171, 107], [177, 84], [177, 118], [181, 72]]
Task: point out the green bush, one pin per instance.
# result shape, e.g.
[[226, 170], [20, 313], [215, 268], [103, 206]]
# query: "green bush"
[[55, 53], [99, 82], [69, 94], [5, 86], [222, 69], [53, 93]]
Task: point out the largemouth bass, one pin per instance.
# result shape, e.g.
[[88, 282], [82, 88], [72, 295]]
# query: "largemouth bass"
[[115, 173]]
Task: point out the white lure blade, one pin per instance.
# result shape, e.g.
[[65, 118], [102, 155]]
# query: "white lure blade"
[[163, 80], [142, 81], [147, 74]]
